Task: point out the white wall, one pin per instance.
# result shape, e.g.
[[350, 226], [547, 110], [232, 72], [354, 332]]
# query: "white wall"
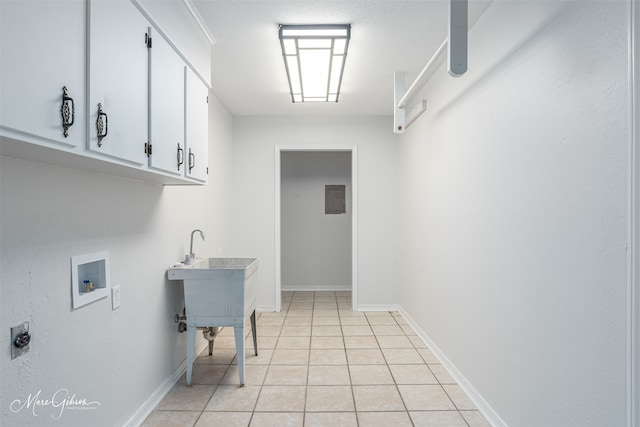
[[513, 212], [316, 247], [118, 358], [254, 142]]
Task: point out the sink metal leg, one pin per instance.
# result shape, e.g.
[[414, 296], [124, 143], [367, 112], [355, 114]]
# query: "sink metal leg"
[[191, 342], [238, 331], [254, 332]]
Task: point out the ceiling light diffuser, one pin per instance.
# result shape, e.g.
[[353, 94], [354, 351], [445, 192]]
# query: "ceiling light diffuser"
[[314, 56]]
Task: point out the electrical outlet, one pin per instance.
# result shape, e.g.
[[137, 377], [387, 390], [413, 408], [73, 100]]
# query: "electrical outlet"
[[20, 338], [115, 297]]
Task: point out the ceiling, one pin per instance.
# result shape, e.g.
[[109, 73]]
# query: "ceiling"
[[248, 72]]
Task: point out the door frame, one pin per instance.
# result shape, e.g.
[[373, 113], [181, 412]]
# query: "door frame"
[[633, 288], [353, 149]]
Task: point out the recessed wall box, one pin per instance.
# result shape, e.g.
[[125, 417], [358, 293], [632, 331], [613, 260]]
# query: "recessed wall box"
[[89, 278], [334, 199]]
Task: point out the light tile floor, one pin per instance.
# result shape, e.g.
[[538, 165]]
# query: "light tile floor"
[[320, 364]]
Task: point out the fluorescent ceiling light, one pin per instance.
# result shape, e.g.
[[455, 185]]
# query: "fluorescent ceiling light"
[[314, 56]]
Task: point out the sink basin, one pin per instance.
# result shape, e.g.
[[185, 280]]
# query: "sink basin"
[[219, 292], [201, 268]]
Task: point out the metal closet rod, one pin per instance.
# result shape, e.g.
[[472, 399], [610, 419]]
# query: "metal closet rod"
[[423, 77]]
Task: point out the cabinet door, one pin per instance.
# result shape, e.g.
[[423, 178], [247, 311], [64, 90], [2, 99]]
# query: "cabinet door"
[[43, 50], [197, 127], [166, 107], [118, 72]]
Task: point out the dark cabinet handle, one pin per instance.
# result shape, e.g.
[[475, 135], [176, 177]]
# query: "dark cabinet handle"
[[192, 160], [102, 125], [180, 156], [68, 111]]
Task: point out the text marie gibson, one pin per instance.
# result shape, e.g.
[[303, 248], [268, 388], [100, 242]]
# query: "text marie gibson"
[[60, 401]]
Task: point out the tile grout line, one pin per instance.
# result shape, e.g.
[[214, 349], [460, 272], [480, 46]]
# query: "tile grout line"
[[395, 384], [306, 389], [255, 405], [346, 357]]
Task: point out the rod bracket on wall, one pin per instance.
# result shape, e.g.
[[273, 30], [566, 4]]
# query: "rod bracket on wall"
[[400, 120], [416, 112], [455, 46]]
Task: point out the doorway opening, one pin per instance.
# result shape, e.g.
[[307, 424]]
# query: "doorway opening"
[[316, 220]]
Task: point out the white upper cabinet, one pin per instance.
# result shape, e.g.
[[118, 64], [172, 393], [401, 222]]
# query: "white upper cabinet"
[[182, 24], [101, 85], [196, 129], [43, 51], [118, 75], [166, 107]]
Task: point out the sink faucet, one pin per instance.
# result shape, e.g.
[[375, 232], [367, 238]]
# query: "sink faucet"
[[191, 247]]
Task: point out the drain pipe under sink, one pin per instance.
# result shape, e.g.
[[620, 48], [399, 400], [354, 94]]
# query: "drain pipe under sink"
[[209, 333]]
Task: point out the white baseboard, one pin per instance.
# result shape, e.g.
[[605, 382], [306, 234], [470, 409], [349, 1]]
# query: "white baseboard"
[[361, 307], [487, 411], [156, 397], [316, 288], [378, 307]]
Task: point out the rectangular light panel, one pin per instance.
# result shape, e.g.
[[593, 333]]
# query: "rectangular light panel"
[[314, 56]]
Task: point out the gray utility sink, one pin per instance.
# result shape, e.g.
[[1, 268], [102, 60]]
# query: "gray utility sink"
[[219, 292]]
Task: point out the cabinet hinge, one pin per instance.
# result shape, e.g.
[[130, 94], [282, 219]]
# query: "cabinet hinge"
[[147, 40], [148, 149], [207, 99], [207, 171]]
